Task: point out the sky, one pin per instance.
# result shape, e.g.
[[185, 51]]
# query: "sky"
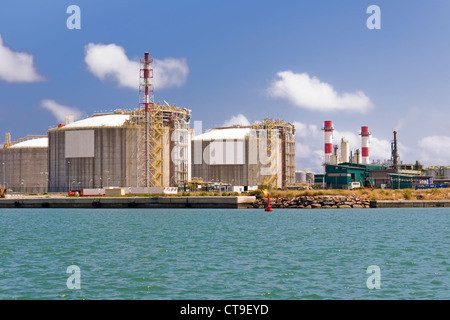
[[237, 62]]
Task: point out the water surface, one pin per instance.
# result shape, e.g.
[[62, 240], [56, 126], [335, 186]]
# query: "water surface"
[[224, 254]]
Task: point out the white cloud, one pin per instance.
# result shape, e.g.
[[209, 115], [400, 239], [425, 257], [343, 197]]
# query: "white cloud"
[[17, 66], [240, 120], [61, 111], [380, 149], [170, 72], [310, 93], [308, 147], [434, 149], [111, 62]]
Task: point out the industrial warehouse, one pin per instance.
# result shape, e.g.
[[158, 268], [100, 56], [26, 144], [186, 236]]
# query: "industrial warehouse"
[[153, 149]]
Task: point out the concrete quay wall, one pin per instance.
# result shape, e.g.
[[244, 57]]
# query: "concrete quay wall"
[[409, 203], [237, 202]]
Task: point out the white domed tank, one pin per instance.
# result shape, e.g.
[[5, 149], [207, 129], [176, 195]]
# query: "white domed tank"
[[23, 165], [96, 152]]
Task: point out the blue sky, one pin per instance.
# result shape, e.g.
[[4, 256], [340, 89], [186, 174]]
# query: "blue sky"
[[243, 60]]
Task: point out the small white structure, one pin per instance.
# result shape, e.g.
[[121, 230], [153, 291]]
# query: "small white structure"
[[353, 185], [114, 191], [231, 188]]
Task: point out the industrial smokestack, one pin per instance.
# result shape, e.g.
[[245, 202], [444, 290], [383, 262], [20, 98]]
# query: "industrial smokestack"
[[328, 129], [146, 86], [344, 150], [394, 149], [147, 101], [365, 145]]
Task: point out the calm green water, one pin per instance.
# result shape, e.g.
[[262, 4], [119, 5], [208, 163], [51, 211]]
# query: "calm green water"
[[225, 254]]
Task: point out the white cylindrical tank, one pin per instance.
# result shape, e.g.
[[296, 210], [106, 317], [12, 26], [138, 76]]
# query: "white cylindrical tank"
[[344, 150], [97, 152], [23, 166]]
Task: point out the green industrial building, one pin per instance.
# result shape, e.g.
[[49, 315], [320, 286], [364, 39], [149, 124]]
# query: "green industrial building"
[[340, 176], [347, 175]]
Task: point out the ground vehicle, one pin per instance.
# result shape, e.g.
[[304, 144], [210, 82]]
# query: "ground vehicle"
[[2, 192], [354, 184]]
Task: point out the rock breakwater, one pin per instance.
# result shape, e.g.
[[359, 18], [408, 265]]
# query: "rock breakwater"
[[314, 202]]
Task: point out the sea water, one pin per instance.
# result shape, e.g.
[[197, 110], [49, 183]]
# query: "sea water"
[[225, 254]]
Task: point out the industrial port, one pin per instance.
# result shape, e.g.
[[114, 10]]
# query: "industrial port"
[[153, 150]]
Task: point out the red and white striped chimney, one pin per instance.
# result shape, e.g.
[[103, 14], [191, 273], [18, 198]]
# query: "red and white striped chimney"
[[146, 82], [365, 144], [328, 129]]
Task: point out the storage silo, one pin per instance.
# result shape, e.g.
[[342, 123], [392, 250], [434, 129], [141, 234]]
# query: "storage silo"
[[300, 176], [23, 165]]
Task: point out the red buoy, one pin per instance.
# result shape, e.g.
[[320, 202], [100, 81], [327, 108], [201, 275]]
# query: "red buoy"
[[268, 208]]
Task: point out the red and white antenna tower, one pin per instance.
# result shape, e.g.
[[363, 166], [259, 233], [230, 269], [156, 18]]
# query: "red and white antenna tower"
[[146, 102], [365, 144], [146, 83]]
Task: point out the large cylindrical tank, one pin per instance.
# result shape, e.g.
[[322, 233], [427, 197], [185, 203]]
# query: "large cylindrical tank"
[[23, 166], [97, 152]]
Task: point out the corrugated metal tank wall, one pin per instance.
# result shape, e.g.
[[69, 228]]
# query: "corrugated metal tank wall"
[[246, 174], [114, 161], [24, 169], [236, 174]]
